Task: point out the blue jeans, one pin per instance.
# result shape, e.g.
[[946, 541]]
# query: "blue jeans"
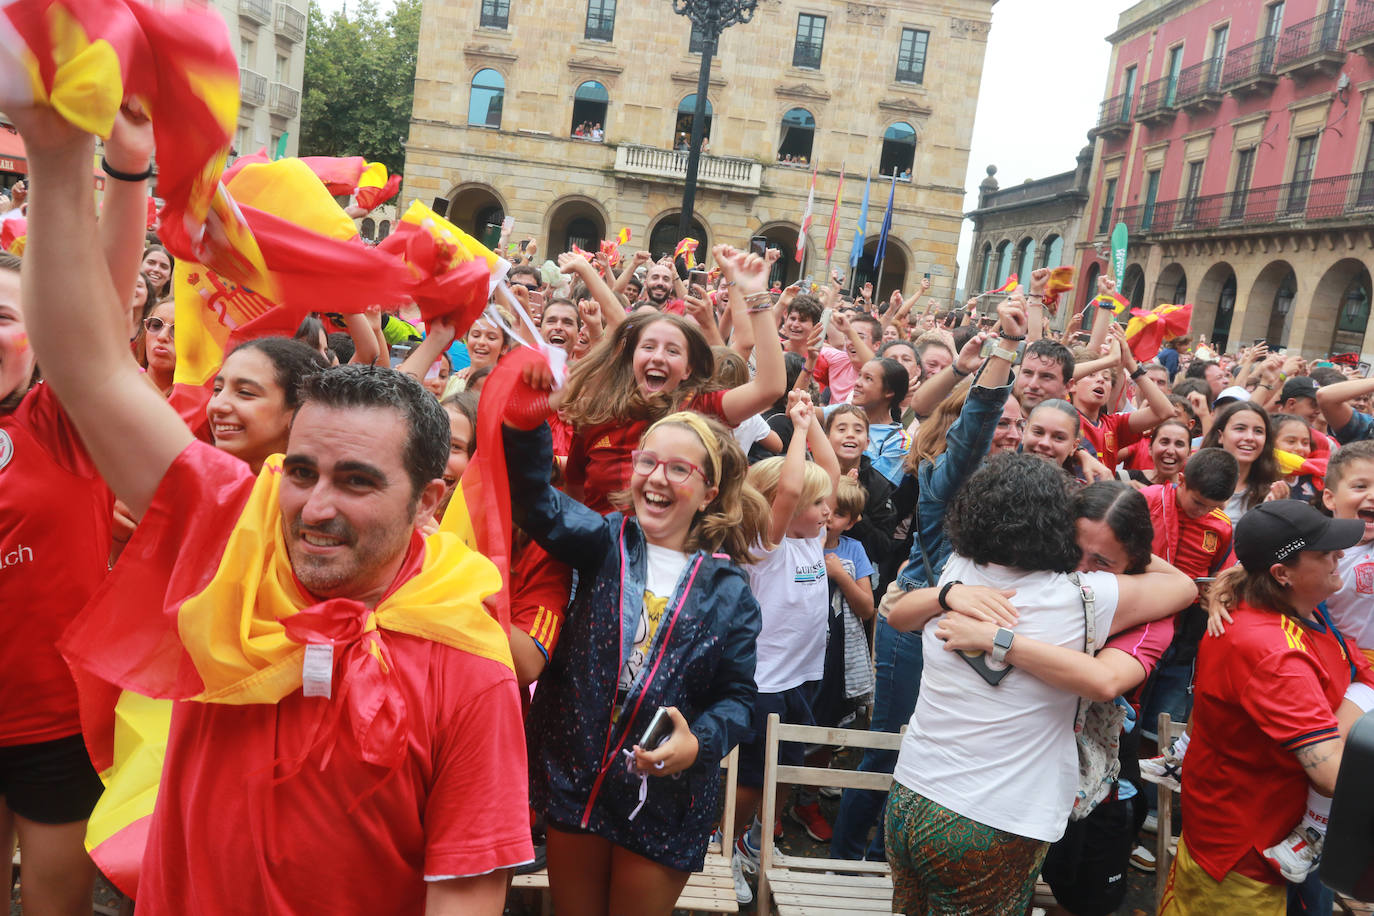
[[1311, 898], [897, 664]]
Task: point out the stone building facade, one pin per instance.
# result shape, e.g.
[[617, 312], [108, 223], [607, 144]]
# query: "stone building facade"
[[572, 118], [269, 40], [1236, 143], [1038, 223]]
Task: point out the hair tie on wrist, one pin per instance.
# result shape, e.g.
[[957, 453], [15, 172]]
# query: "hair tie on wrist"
[[944, 593], [117, 175]]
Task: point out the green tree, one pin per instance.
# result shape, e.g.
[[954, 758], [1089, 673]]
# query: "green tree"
[[360, 82]]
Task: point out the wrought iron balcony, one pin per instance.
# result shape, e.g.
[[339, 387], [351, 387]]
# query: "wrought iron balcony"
[[807, 55], [1114, 117], [1199, 86], [1338, 197], [1250, 68], [1156, 102], [670, 166], [1312, 47], [252, 87], [600, 28], [259, 11], [1359, 34], [290, 22], [286, 101]]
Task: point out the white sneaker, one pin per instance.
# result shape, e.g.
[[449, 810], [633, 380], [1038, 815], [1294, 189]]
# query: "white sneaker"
[[740, 867], [1143, 859], [1166, 770], [1151, 824], [1297, 855]]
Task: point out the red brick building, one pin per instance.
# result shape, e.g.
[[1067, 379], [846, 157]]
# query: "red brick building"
[[1236, 142]]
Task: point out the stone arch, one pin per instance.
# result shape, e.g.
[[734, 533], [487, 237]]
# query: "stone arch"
[[1172, 281], [986, 265], [573, 220], [1270, 307], [1025, 259], [896, 265], [474, 207], [1003, 256], [1052, 249], [1132, 286], [783, 236], [667, 219], [1214, 305], [1337, 316]]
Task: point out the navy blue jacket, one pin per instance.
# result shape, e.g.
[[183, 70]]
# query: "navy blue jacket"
[[705, 667]]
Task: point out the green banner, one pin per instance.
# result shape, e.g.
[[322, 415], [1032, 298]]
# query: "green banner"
[[1119, 239]]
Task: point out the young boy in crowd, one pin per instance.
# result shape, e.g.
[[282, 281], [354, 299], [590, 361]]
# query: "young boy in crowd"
[[838, 369], [803, 314], [1107, 432], [848, 676]]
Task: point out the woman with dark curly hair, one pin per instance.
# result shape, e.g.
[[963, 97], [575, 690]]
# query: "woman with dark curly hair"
[[988, 771]]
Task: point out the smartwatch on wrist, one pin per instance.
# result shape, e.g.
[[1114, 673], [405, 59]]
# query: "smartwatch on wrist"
[[1137, 373], [1003, 353], [1001, 645]]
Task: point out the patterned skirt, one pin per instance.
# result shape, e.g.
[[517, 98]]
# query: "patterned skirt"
[[944, 863]]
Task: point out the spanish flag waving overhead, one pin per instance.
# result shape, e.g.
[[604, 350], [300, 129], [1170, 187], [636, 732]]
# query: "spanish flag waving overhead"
[[1147, 331]]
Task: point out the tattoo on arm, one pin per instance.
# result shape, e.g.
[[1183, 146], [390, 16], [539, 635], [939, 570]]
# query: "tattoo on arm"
[[1316, 754]]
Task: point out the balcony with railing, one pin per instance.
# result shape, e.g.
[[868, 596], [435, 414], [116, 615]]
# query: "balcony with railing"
[[1156, 102], [252, 87], [286, 101], [290, 22], [1359, 35], [1043, 189], [1250, 68], [1345, 198], [670, 166], [259, 11], [1312, 47], [1199, 86], [1114, 117]]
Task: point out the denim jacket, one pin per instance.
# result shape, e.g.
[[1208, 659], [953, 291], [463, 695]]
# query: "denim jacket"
[[701, 661], [966, 443]]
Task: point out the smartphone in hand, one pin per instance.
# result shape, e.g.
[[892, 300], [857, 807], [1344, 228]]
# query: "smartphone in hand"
[[660, 728]]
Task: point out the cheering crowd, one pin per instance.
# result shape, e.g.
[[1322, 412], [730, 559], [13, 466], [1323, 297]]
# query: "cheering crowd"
[[729, 500]]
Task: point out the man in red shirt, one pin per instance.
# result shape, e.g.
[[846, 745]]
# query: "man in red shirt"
[[350, 737]]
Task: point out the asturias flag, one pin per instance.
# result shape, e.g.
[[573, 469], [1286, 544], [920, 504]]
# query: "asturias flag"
[[857, 251]]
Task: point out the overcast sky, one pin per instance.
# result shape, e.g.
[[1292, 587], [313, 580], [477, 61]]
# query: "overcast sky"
[[1043, 79], [1046, 65]]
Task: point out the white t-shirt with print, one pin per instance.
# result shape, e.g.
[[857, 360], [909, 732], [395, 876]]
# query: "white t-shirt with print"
[[664, 569], [750, 431], [1003, 756], [790, 585], [1352, 608]]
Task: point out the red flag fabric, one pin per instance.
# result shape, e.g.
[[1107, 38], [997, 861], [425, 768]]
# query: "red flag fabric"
[[622, 236], [832, 232], [1008, 286], [1147, 331], [686, 249]]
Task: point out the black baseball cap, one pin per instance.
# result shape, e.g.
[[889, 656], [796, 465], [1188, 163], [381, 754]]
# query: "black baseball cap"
[[1272, 532], [1299, 386]]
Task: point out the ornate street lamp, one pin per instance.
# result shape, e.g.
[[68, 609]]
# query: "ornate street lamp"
[[711, 17]]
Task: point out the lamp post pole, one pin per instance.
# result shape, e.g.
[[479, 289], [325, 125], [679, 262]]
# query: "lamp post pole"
[[711, 17]]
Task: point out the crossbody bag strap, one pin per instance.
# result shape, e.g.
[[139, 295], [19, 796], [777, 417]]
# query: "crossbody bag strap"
[[1085, 594]]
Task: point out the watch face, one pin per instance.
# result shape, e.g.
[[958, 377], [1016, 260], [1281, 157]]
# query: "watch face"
[[1003, 639]]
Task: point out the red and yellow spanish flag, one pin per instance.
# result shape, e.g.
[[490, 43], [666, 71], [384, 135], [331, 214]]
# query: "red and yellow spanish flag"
[[622, 236], [1147, 331], [375, 187], [1311, 466], [14, 232], [1006, 287], [686, 249]]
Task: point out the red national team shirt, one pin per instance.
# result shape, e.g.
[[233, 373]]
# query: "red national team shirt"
[[1267, 688], [1146, 644], [55, 515], [331, 838], [1199, 547], [540, 586], [1109, 435], [599, 461]]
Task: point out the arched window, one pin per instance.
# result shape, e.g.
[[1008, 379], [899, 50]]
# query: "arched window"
[[1004, 254], [1354, 307], [798, 131], [1025, 260], [1181, 290], [369, 228], [1052, 254], [682, 127], [589, 111], [899, 150], [487, 98], [384, 230]]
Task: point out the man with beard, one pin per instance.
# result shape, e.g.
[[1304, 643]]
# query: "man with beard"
[[350, 735], [659, 284]]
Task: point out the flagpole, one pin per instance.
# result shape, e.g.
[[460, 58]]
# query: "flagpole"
[[878, 280]]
